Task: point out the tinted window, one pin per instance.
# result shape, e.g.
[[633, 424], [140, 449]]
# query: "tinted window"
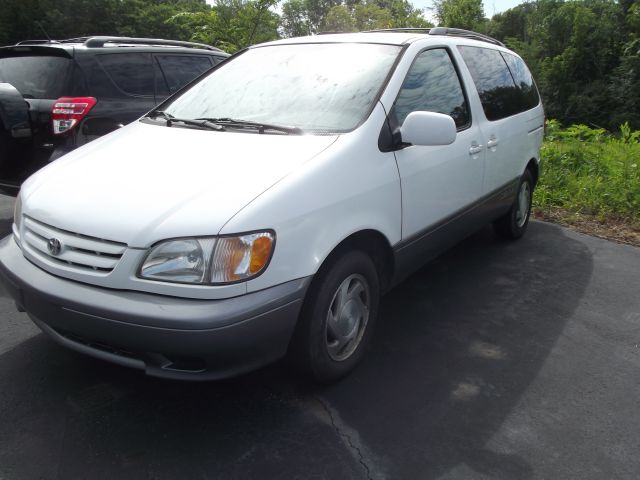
[[131, 72], [179, 70], [320, 88], [37, 76], [432, 85], [499, 96], [529, 97]]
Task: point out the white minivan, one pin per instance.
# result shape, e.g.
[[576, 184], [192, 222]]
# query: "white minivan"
[[262, 210]]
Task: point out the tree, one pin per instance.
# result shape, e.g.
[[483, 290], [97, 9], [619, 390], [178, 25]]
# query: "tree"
[[348, 16], [28, 19], [231, 24], [582, 56], [371, 15], [305, 17], [467, 14], [295, 21]]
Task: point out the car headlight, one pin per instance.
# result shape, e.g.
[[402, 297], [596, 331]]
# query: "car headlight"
[[17, 215], [209, 260]]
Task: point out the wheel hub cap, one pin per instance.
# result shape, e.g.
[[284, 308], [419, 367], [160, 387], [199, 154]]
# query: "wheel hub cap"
[[524, 201], [347, 317]]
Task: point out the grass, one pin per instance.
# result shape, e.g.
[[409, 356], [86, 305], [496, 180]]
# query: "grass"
[[591, 176]]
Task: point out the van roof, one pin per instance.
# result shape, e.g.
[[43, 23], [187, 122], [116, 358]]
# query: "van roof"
[[392, 36]]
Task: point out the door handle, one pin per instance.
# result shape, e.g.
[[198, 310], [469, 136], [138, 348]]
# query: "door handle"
[[492, 143], [475, 149]]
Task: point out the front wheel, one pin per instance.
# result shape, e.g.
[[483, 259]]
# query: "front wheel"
[[337, 319], [514, 223]]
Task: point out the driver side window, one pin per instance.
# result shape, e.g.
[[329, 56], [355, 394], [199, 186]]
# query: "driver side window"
[[432, 85]]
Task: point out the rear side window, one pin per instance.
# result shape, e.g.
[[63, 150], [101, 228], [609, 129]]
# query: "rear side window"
[[498, 93], [130, 72], [529, 97], [432, 85], [37, 76], [178, 70]]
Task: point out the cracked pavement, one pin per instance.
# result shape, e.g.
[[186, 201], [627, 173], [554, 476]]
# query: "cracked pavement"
[[497, 361]]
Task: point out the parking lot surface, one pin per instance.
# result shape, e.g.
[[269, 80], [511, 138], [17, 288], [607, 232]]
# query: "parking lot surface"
[[497, 361]]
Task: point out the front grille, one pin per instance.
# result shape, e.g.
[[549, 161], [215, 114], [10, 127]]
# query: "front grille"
[[79, 251]]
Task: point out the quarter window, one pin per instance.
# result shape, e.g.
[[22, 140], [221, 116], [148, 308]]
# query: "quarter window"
[[529, 97], [131, 72], [179, 70], [498, 93], [432, 85]]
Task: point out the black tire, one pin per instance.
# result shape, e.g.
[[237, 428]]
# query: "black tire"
[[513, 224], [315, 351]]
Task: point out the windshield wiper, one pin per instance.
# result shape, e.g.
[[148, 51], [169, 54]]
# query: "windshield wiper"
[[197, 122], [261, 127], [159, 113]]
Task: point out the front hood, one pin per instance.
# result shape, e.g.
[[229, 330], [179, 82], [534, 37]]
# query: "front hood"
[[146, 182]]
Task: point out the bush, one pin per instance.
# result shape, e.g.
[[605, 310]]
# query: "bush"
[[591, 171]]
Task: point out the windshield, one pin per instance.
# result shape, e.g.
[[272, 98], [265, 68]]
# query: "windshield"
[[36, 77], [319, 88]]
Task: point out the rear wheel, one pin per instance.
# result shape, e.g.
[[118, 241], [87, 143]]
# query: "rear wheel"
[[337, 320], [514, 223]]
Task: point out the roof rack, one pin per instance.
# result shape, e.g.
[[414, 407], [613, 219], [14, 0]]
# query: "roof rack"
[[74, 40], [455, 32], [97, 42], [459, 32], [36, 42], [400, 30]]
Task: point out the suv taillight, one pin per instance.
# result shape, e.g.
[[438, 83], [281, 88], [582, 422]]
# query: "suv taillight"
[[68, 111]]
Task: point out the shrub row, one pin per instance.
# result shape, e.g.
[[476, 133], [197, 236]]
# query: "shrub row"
[[590, 171]]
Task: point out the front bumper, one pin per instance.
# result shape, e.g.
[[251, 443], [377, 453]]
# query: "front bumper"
[[164, 336]]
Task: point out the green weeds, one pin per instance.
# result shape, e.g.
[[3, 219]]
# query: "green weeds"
[[590, 171]]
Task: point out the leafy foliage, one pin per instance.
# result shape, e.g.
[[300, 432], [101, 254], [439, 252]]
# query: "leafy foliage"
[[373, 14], [584, 55], [306, 17], [467, 14], [26, 19], [590, 171], [231, 25]]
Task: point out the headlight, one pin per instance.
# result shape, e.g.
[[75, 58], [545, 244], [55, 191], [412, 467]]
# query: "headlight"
[[209, 260], [17, 215]]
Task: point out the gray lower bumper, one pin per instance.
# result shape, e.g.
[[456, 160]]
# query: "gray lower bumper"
[[165, 336]]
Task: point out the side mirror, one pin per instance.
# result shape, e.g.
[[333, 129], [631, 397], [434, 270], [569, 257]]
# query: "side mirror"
[[428, 128]]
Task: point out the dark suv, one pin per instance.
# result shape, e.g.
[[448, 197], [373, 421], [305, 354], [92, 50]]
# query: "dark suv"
[[58, 95]]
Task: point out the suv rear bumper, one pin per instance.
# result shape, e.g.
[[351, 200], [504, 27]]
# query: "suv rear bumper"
[[164, 336]]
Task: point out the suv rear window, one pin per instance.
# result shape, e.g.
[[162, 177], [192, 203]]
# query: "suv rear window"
[[36, 76]]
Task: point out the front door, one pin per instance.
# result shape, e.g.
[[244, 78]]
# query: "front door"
[[437, 181]]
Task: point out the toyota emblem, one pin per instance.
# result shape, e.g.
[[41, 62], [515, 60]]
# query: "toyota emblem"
[[54, 246]]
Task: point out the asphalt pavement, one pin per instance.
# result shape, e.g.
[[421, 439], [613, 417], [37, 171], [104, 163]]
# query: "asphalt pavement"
[[497, 361]]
